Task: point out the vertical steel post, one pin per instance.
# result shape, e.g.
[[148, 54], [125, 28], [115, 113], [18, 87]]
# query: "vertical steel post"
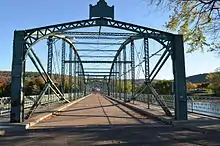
[[50, 62], [125, 74], [63, 56], [146, 60], [75, 69], [108, 85], [132, 69], [147, 66], [113, 84], [116, 78], [120, 75], [179, 78], [17, 78], [70, 73], [78, 80]]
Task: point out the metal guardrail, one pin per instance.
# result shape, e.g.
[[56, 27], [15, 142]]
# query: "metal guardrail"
[[5, 102], [202, 105], [205, 105]]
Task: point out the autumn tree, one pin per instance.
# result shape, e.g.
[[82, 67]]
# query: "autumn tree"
[[197, 20], [190, 86]]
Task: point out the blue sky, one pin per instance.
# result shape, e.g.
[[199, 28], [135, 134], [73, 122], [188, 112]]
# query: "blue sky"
[[24, 14]]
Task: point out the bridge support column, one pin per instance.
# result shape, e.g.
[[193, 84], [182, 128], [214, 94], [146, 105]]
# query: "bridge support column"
[[124, 72], [132, 69], [75, 74], [63, 66], [17, 78], [50, 63], [70, 74], [179, 78], [120, 76]]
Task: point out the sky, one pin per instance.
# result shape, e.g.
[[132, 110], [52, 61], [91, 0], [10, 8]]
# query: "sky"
[[25, 14]]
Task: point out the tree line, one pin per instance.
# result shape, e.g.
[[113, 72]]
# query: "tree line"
[[33, 85]]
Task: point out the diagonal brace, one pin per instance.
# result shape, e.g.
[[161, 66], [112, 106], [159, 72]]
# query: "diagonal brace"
[[159, 99], [36, 103]]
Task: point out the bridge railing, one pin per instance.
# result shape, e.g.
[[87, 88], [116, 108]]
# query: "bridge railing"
[[202, 105], [5, 102]]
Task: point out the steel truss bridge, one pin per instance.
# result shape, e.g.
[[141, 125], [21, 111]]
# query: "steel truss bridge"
[[108, 58]]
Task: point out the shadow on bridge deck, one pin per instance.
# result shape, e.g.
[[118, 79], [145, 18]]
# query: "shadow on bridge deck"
[[100, 121]]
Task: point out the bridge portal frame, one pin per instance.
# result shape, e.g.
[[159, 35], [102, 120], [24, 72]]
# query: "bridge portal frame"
[[25, 39]]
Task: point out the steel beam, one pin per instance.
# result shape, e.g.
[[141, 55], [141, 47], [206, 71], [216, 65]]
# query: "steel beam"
[[18, 70], [50, 56], [75, 74], [37, 102], [70, 73], [98, 72], [94, 43], [160, 66], [132, 69], [37, 33], [68, 61], [97, 37], [95, 50], [120, 81], [159, 100], [96, 69], [37, 67], [98, 33], [179, 78], [49, 61], [159, 62], [100, 75], [125, 75], [146, 60], [63, 66], [48, 77], [83, 56]]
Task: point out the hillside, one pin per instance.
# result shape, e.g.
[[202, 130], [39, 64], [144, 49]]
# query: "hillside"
[[200, 78]]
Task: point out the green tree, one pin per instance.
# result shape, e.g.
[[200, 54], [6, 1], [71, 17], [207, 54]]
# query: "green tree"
[[214, 79], [197, 20], [163, 87], [32, 88], [39, 82]]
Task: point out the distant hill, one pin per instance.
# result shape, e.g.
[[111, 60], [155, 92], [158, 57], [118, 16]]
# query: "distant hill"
[[200, 78]]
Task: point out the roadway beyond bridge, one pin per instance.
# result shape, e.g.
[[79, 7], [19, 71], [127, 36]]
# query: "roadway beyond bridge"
[[97, 120]]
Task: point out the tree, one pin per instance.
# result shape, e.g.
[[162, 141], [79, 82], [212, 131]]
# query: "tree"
[[163, 87], [32, 88], [190, 86], [197, 20], [39, 82], [214, 79]]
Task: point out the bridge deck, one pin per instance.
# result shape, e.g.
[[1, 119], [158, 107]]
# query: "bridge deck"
[[100, 121], [95, 110]]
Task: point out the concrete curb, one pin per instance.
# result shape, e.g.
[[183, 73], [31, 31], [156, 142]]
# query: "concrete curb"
[[30, 124]]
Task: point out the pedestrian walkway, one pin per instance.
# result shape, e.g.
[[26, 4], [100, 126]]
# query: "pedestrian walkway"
[[195, 121]]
